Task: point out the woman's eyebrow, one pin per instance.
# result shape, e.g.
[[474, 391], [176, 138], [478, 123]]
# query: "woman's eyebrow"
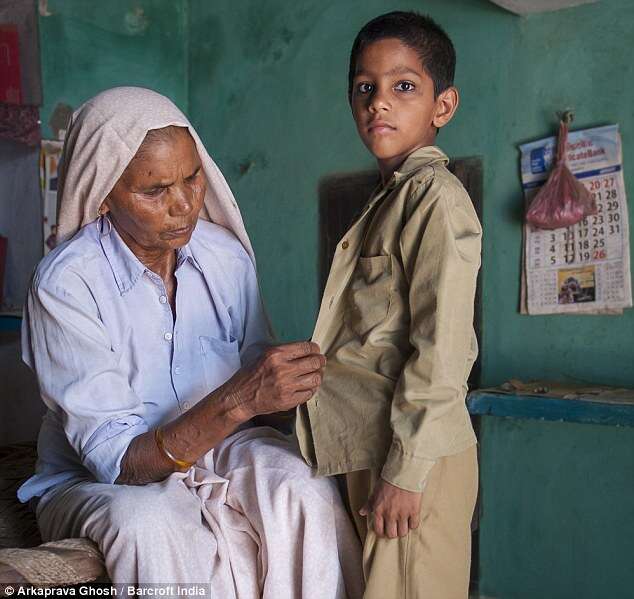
[[159, 183], [165, 182]]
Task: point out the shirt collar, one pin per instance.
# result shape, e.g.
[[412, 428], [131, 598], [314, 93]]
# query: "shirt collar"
[[185, 254], [126, 267], [425, 156]]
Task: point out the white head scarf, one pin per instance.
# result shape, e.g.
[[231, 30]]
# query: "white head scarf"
[[103, 136]]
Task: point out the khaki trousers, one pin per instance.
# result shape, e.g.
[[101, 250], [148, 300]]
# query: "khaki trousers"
[[433, 561]]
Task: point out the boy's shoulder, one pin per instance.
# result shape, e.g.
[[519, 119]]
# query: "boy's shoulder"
[[432, 183]]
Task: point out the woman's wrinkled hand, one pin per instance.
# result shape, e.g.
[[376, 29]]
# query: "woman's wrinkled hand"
[[283, 378]]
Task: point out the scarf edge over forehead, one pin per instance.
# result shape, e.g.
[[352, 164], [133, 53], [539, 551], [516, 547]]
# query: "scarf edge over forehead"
[[103, 136]]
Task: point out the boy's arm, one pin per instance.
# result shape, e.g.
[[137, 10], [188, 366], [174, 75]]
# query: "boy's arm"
[[440, 246]]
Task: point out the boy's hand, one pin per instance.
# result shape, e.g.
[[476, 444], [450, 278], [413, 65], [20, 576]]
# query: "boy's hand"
[[392, 511]]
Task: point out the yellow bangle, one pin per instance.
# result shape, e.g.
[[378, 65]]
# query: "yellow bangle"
[[180, 464]]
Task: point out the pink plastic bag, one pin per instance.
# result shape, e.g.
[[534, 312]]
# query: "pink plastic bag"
[[563, 200]]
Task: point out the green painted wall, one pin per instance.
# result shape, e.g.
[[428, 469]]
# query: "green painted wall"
[[267, 91], [265, 84], [556, 510], [89, 46]]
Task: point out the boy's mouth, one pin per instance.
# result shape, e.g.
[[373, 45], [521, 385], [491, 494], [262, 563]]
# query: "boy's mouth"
[[380, 127]]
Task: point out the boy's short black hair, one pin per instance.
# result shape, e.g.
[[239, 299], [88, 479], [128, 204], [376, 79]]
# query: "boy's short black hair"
[[420, 33]]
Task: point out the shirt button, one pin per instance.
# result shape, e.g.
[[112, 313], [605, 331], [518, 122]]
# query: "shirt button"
[[177, 370], [186, 405], [163, 299], [344, 245], [167, 336], [332, 299]]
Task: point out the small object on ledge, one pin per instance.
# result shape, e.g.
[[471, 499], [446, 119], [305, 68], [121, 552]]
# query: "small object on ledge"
[[545, 400], [598, 393]]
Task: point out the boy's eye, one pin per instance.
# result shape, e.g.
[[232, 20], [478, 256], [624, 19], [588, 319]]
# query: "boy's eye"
[[404, 86], [365, 88]]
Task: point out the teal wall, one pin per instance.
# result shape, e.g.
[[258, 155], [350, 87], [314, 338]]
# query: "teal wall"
[[89, 46], [265, 85], [267, 91], [556, 510]]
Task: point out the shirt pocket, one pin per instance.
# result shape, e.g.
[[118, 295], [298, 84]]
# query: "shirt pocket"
[[221, 360], [369, 293]]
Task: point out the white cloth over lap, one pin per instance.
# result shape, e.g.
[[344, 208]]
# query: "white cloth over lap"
[[250, 518]]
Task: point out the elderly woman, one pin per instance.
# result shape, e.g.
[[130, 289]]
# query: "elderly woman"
[[149, 341]]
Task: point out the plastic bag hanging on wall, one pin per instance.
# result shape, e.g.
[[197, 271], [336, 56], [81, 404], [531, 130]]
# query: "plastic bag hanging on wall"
[[563, 201]]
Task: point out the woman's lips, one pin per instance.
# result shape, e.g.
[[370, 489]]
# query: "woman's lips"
[[181, 232]]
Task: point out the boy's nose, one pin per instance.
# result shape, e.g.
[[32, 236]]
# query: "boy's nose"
[[379, 101]]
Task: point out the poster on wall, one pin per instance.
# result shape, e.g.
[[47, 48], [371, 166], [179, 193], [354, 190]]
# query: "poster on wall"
[[20, 78], [50, 155], [10, 77], [585, 268]]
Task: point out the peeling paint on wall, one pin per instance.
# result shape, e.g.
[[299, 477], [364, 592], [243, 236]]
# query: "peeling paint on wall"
[[135, 21], [89, 46], [43, 8], [252, 162]]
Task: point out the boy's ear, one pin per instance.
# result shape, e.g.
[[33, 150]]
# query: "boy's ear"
[[446, 105]]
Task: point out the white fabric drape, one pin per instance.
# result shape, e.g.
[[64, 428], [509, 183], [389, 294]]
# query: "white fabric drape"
[[103, 136], [270, 527]]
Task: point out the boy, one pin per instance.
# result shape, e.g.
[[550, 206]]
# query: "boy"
[[396, 326]]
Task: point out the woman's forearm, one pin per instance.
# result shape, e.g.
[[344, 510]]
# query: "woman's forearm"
[[187, 438], [284, 377]]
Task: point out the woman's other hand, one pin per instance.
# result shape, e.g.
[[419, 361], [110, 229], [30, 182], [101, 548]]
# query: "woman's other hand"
[[283, 378]]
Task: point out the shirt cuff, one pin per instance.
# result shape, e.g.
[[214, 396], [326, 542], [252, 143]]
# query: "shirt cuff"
[[107, 446], [405, 470]]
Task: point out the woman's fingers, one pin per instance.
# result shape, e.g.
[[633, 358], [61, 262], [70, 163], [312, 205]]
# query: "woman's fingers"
[[296, 350], [285, 376], [301, 397], [307, 382], [308, 364]]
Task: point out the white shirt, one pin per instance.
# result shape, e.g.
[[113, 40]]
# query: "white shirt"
[[111, 361]]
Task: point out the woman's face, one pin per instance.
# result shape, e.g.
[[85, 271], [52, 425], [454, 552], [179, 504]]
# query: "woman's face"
[[155, 203]]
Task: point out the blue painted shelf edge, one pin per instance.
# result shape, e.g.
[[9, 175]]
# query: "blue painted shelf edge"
[[487, 403]]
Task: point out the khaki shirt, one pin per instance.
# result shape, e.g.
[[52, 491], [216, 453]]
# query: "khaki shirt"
[[396, 325]]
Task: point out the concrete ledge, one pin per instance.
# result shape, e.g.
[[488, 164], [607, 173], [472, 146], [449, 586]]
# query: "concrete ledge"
[[488, 403]]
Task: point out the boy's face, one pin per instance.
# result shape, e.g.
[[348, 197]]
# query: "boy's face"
[[393, 103]]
